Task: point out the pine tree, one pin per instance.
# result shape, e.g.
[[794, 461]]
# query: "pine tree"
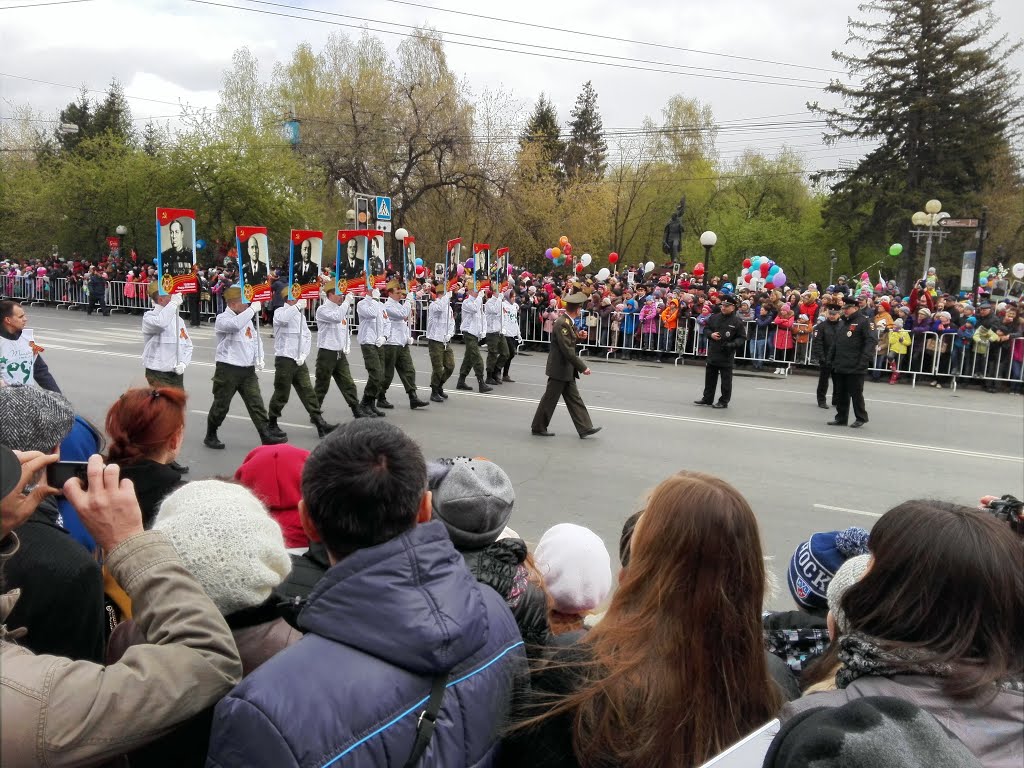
[[114, 116], [79, 114], [932, 89], [543, 135], [586, 150], [152, 140]]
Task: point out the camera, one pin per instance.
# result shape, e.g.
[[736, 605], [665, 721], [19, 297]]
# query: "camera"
[[1008, 508]]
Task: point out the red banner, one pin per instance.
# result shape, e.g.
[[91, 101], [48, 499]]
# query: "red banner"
[[176, 250]]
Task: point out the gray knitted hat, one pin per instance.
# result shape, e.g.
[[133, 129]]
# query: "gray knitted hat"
[[473, 498], [849, 573], [34, 419]]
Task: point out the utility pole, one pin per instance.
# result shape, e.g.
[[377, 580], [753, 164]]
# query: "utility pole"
[[978, 258]]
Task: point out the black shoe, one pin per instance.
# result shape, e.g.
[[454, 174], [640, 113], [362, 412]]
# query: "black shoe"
[[323, 429], [382, 402], [701, 402], [507, 379], [178, 467], [442, 393], [483, 386], [463, 385], [492, 381], [720, 404], [273, 429], [541, 433], [589, 432], [857, 424], [358, 412], [822, 404], [415, 402], [435, 397], [270, 438], [370, 409], [211, 440], [835, 423]]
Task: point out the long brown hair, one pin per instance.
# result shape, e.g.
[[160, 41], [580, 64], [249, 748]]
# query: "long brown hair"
[[678, 670], [945, 580]]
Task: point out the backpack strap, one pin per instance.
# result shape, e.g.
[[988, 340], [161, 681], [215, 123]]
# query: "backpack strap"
[[427, 719]]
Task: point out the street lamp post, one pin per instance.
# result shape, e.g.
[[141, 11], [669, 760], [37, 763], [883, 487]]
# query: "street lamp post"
[[708, 240], [121, 230], [930, 218], [831, 264]]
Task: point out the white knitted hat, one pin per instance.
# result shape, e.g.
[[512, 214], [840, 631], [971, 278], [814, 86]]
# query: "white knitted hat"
[[576, 567], [227, 541], [849, 573]]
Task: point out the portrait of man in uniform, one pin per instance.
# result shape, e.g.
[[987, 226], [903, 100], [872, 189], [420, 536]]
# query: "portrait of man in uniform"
[[377, 255], [351, 260], [307, 270], [255, 266], [178, 259]]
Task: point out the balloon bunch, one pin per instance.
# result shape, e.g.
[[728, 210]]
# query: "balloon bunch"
[[988, 277], [756, 269], [421, 271], [560, 252]]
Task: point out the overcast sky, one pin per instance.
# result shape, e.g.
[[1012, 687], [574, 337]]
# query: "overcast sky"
[[176, 51]]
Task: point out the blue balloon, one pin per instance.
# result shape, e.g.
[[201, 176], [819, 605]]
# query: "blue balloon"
[[419, 262], [200, 244]]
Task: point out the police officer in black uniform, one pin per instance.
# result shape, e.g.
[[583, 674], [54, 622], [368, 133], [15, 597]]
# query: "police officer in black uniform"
[[822, 341], [850, 358], [726, 334]]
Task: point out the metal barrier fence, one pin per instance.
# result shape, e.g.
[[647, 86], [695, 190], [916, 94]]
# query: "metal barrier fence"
[[940, 359]]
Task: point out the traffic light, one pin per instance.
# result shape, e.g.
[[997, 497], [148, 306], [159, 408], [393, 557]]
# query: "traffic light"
[[362, 212]]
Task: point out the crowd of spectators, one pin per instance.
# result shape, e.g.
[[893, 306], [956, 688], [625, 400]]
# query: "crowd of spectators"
[[361, 605]]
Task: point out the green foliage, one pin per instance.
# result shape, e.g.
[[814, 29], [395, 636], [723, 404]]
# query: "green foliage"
[[586, 151]]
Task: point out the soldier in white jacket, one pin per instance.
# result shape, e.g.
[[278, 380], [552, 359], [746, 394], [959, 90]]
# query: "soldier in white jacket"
[[440, 329], [292, 342], [396, 350], [373, 330], [166, 345], [334, 341], [497, 349], [239, 355], [510, 330], [472, 331]]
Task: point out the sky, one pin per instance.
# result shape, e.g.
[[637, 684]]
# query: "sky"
[[731, 54]]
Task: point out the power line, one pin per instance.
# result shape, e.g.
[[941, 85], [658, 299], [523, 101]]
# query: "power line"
[[87, 90], [42, 5], [613, 38], [508, 50]]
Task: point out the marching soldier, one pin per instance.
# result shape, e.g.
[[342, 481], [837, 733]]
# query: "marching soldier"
[[373, 328], [292, 342], [440, 329], [726, 334], [497, 348], [563, 368], [239, 355], [396, 350], [472, 330], [850, 358], [510, 330], [167, 347], [333, 341]]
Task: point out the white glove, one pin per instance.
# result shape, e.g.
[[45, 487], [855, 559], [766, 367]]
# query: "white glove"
[[176, 300], [300, 304], [409, 342], [259, 365], [256, 306], [380, 341], [179, 368], [302, 360]]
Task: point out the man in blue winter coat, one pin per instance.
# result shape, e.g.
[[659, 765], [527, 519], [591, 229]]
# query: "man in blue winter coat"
[[407, 659]]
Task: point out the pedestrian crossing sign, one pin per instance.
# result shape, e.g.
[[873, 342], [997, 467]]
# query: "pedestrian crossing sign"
[[383, 209]]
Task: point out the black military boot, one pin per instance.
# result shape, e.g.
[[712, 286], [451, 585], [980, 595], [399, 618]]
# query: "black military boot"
[[272, 438], [370, 409], [415, 402], [483, 386], [323, 429], [493, 379], [435, 397], [359, 413], [441, 392], [211, 440], [382, 402], [273, 429], [463, 385]]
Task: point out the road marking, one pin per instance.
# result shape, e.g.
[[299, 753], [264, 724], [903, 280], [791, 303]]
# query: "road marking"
[[829, 436], [901, 402], [851, 511], [246, 418]]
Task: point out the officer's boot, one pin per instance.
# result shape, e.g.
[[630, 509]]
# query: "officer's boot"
[[483, 387], [382, 402], [435, 396], [211, 440], [358, 412], [441, 392], [463, 385], [273, 429], [493, 378], [272, 438], [370, 408], [415, 402], [323, 429]]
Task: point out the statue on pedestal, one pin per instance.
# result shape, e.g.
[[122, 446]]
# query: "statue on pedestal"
[[674, 232]]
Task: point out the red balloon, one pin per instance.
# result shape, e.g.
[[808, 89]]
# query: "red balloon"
[[765, 266], [698, 268], [769, 285], [579, 267], [567, 249], [613, 257], [746, 263]]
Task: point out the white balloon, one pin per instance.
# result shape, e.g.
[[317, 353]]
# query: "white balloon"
[[649, 266], [603, 274], [585, 259], [1018, 270]]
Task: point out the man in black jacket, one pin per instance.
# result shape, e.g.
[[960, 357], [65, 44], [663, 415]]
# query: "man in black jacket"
[[850, 358], [726, 334], [822, 341]]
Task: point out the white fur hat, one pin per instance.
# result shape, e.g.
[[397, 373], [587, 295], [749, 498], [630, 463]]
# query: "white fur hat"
[[227, 541], [576, 567]]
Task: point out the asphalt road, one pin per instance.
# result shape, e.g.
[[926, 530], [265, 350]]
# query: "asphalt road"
[[772, 443]]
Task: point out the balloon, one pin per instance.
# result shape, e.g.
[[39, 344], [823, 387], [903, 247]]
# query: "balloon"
[[603, 274], [728, 288], [460, 270], [469, 263], [585, 259], [983, 282], [774, 270], [613, 257], [895, 249], [419, 262], [746, 263], [769, 285], [563, 240], [558, 261], [1018, 270], [420, 271], [649, 266], [780, 279], [567, 249], [556, 252], [548, 254], [200, 244], [764, 269], [744, 272], [579, 267]]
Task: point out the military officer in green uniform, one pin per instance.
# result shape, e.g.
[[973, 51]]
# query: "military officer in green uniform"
[[563, 368], [373, 330], [239, 355], [396, 350]]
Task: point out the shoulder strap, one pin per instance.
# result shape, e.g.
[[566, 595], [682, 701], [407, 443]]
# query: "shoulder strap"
[[427, 720]]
